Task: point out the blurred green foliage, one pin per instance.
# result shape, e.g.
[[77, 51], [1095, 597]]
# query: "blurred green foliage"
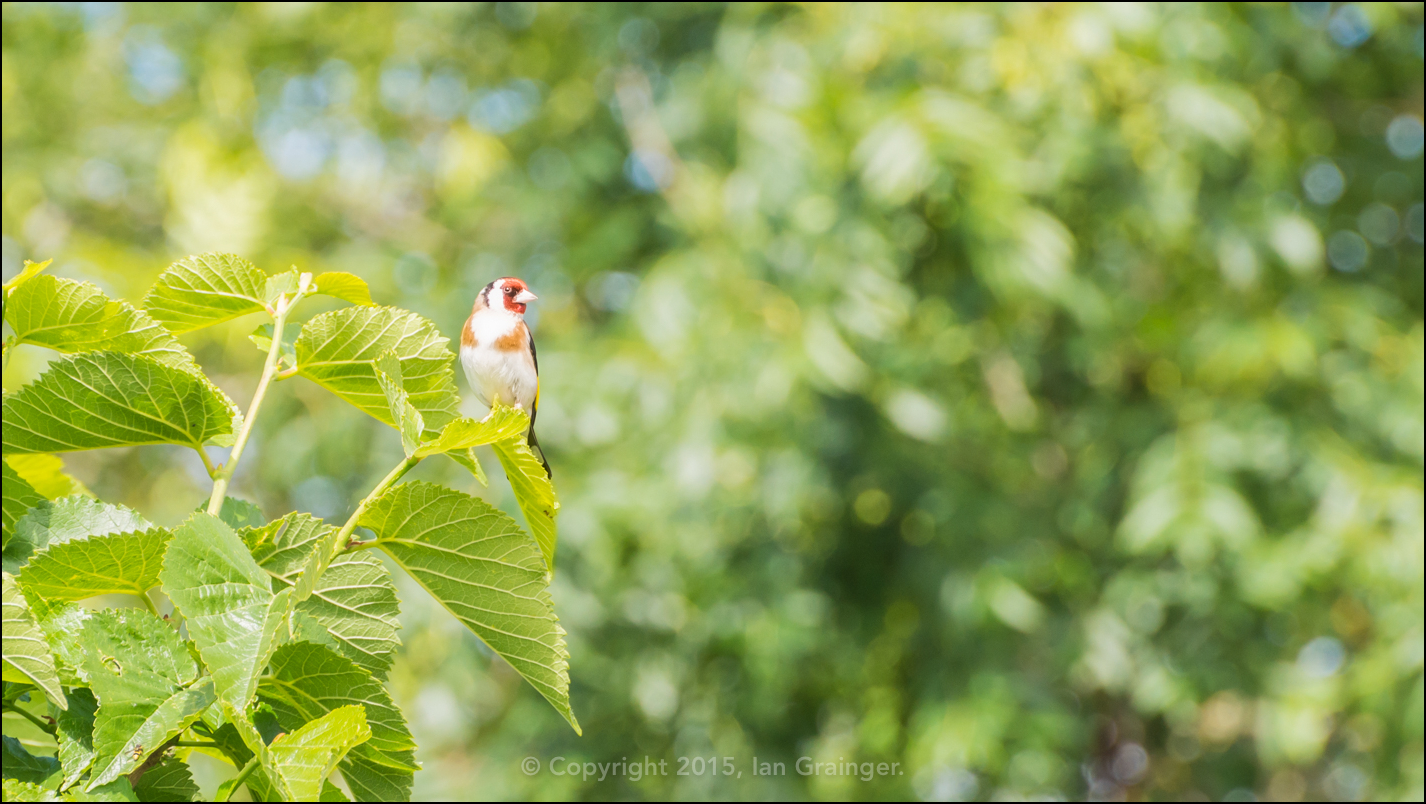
[[1030, 395]]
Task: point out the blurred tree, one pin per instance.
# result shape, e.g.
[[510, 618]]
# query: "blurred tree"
[[1030, 395]]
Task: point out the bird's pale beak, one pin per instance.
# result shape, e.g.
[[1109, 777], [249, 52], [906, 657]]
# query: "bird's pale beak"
[[525, 297]]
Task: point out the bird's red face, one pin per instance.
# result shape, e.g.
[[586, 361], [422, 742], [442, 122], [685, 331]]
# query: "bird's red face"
[[514, 294]]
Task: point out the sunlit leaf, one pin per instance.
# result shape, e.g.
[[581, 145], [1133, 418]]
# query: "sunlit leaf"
[[147, 685], [534, 492], [229, 606], [18, 497], [26, 654], [72, 317], [338, 350], [205, 289], [54, 522], [344, 286], [279, 285], [306, 757], [105, 399], [74, 731], [408, 420], [477, 562], [262, 339], [29, 272], [45, 473], [123, 563], [502, 423]]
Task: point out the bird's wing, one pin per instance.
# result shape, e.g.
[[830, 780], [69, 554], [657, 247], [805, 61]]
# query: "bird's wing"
[[534, 358]]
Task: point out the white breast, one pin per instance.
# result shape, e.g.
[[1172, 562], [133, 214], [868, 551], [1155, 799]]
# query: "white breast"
[[495, 374]]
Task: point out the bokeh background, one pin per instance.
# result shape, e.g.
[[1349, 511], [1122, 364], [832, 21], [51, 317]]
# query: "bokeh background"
[[1031, 394]]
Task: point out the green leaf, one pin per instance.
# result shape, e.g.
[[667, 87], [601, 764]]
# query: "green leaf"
[[147, 684], [106, 399], [408, 420], [75, 733], [46, 474], [534, 492], [25, 655], [231, 744], [71, 316], [237, 513], [117, 790], [205, 289], [124, 563], [502, 423], [353, 599], [308, 680], [279, 285], [30, 270], [477, 562], [466, 458], [66, 519], [16, 790], [169, 780], [26, 767], [345, 286], [62, 623], [262, 339], [18, 498], [306, 757], [338, 351], [331, 792], [232, 614]]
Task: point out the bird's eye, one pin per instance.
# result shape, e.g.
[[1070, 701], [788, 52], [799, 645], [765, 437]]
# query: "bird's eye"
[[509, 291]]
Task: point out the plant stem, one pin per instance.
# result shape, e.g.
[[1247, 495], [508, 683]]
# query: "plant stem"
[[339, 542], [45, 727], [149, 604], [225, 474], [207, 462], [242, 776], [197, 744]]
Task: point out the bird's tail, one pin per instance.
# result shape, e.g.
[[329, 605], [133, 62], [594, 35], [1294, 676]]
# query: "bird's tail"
[[535, 445]]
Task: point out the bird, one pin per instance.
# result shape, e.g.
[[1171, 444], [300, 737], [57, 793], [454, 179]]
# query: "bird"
[[498, 352]]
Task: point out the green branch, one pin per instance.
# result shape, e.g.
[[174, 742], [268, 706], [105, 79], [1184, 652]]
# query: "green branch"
[[339, 542], [47, 728], [269, 369], [242, 777]]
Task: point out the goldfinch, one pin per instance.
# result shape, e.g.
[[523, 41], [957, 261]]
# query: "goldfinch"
[[498, 352]]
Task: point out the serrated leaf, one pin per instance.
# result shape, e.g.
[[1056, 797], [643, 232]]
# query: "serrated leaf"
[[309, 680], [344, 286], [123, 563], [279, 285], [408, 420], [16, 790], [169, 780], [353, 599], [106, 399], [306, 757], [306, 628], [30, 270], [24, 766], [25, 655], [331, 792], [117, 790], [466, 458], [205, 289], [463, 433], [262, 339], [477, 563], [62, 623], [45, 473], [54, 522], [74, 731], [16, 499], [534, 492], [230, 609], [231, 744], [237, 513], [147, 685], [71, 316], [338, 351]]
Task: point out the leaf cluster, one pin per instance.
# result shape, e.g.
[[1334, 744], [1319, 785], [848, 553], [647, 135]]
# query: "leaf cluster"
[[264, 643]]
